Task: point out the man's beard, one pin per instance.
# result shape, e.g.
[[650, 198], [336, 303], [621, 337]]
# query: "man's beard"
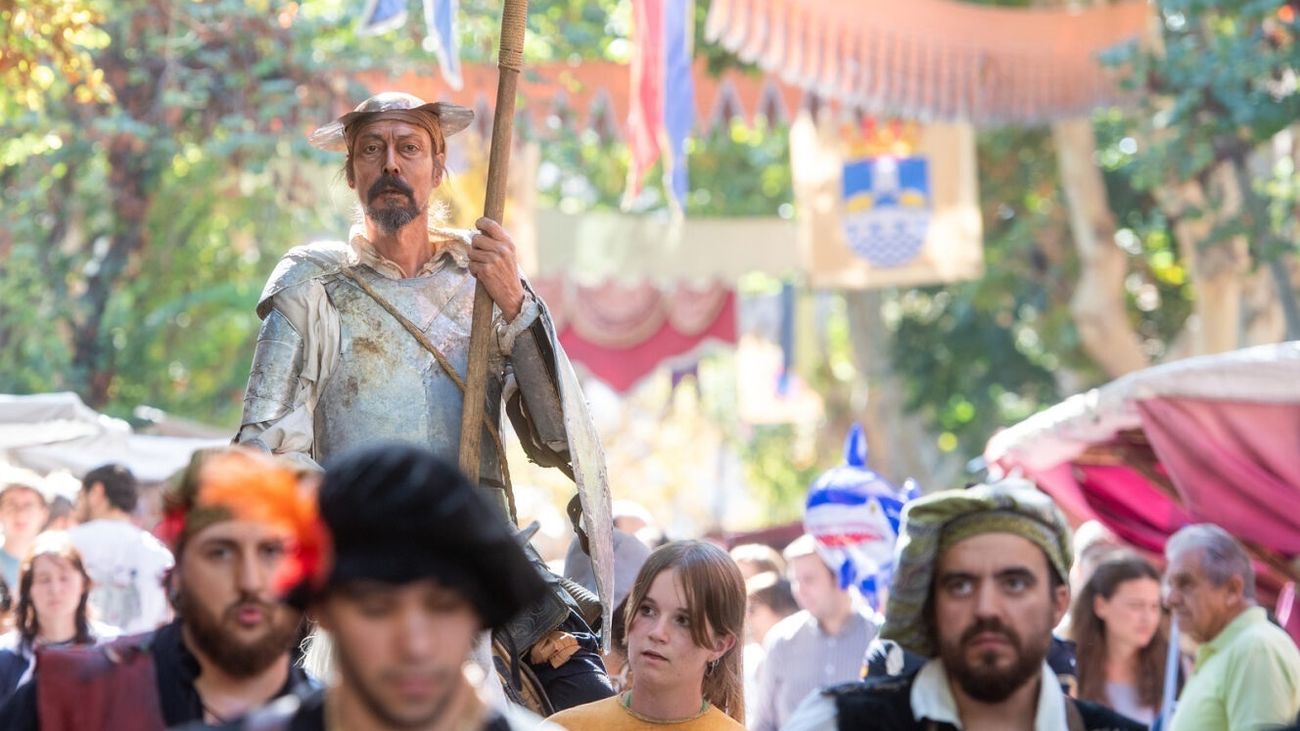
[[391, 219], [373, 702], [983, 680], [238, 659]]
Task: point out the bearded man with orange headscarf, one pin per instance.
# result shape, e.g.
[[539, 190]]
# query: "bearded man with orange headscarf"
[[242, 526]]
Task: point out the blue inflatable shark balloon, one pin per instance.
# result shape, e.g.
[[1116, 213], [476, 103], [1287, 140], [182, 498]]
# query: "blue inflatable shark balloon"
[[853, 514]]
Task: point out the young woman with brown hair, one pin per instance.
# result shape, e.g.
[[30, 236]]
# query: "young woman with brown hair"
[[685, 617], [1120, 638], [53, 588]]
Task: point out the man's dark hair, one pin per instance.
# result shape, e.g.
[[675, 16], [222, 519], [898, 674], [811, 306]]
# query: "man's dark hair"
[[120, 486], [773, 592]]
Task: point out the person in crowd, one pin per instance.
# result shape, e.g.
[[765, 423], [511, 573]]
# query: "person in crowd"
[[768, 601], [230, 518], [979, 582], [1120, 643], [419, 563], [366, 341], [126, 564], [822, 644], [52, 609], [1093, 542], [685, 618], [1247, 670], [23, 513], [6, 603], [61, 514], [757, 558], [631, 517], [629, 555]]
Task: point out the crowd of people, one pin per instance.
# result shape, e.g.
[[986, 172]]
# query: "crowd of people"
[[333, 570], [992, 619]]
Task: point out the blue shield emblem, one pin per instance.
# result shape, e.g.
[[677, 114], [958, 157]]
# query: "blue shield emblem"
[[887, 208]]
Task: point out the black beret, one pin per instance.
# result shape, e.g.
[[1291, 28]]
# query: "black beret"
[[396, 513]]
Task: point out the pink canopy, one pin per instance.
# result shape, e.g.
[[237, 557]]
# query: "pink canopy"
[[1213, 439]]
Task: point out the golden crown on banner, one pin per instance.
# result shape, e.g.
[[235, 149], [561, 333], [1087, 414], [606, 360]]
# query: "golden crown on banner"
[[873, 138]]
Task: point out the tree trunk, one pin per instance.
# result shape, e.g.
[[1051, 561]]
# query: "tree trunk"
[[1099, 303], [92, 355], [1217, 270], [899, 444], [132, 177]]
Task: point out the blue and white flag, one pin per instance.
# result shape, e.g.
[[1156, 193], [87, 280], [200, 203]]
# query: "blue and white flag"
[[440, 18], [381, 16], [442, 39]]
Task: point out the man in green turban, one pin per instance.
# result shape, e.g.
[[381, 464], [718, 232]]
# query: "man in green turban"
[[980, 580]]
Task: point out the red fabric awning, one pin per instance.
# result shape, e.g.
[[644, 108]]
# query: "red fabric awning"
[[622, 333], [934, 59], [1210, 439]]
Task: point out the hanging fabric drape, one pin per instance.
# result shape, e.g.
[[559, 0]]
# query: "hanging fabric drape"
[[1207, 439], [623, 332], [934, 59]]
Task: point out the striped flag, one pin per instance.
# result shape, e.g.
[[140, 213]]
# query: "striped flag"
[[662, 108], [440, 16]]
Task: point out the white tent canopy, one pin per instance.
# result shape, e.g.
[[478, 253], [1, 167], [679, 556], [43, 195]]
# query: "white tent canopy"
[[56, 431]]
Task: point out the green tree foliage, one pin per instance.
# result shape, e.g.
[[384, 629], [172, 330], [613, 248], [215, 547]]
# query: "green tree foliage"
[[1217, 87], [139, 219]]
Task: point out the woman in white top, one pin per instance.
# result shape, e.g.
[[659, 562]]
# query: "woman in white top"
[[52, 593], [1121, 642]]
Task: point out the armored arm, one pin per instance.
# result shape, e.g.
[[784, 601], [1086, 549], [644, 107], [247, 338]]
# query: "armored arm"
[[273, 379], [535, 405]]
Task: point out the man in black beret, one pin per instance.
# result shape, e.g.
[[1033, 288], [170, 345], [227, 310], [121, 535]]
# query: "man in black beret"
[[420, 564]]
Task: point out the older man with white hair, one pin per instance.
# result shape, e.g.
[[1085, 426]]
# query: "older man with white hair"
[[1247, 672]]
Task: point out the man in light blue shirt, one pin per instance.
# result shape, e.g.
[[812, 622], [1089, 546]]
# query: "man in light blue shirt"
[[820, 646]]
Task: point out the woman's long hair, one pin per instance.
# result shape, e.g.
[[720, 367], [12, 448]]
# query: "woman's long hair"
[[1089, 633], [55, 544], [715, 597]]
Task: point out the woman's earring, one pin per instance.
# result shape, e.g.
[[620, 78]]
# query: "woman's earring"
[[713, 665]]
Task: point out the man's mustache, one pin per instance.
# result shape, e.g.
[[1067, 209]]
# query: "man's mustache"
[[991, 626], [250, 600], [389, 182]]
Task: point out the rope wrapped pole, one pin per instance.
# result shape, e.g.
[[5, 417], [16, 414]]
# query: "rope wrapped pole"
[[510, 61]]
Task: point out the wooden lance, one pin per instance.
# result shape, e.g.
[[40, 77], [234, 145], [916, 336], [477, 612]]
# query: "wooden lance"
[[510, 61]]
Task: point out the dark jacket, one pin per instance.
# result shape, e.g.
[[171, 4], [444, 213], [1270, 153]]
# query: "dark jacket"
[[174, 669], [305, 713], [884, 704]]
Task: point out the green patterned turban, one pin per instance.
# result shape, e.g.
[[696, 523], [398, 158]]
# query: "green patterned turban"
[[933, 523]]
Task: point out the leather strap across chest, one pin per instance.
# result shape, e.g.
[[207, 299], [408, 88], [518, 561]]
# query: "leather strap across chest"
[[446, 366]]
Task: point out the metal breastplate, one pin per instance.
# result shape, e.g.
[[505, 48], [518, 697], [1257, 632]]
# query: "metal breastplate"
[[386, 386]]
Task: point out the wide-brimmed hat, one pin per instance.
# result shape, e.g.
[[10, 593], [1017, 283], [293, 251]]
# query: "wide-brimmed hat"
[[452, 118]]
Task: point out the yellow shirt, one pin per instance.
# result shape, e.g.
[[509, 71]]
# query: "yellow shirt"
[[611, 715]]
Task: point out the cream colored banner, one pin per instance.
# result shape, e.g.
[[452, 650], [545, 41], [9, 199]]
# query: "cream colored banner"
[[888, 206]]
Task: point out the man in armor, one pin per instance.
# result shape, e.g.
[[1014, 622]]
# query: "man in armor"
[[368, 341]]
